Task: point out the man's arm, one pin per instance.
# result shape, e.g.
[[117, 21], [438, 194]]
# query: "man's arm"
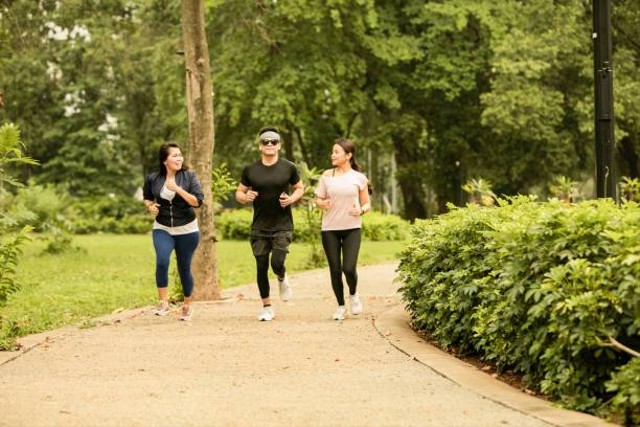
[[298, 192], [245, 194]]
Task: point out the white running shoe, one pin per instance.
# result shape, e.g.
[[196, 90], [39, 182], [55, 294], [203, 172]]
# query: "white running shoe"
[[162, 309], [340, 313], [266, 314], [356, 304], [187, 313], [285, 288]]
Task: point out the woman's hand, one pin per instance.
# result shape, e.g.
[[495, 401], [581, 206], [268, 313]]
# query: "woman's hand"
[[153, 209], [323, 203], [355, 211], [171, 185]]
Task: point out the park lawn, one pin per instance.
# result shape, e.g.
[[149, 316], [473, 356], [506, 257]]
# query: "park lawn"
[[107, 273]]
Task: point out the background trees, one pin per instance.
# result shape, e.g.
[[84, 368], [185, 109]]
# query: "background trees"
[[435, 93]]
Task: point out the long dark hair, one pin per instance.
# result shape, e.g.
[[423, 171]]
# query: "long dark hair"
[[349, 147], [163, 153]]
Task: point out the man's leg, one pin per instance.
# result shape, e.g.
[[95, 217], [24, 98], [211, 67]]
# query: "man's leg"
[[261, 247], [281, 242]]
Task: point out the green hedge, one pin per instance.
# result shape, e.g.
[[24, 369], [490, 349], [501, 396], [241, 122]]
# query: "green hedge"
[[538, 288], [117, 215], [236, 225]]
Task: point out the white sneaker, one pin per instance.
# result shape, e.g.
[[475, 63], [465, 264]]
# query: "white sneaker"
[[356, 304], [162, 309], [266, 314], [340, 313], [285, 289], [187, 313]]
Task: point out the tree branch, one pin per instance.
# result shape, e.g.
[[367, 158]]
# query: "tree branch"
[[614, 343]]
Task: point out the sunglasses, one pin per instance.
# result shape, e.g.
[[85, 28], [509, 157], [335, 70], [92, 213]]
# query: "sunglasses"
[[269, 142]]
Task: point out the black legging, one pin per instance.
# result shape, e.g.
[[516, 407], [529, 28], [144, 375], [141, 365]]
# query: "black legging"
[[277, 265], [347, 242]]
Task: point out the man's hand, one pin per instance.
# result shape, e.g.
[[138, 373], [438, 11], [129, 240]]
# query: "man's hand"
[[250, 196], [285, 200]]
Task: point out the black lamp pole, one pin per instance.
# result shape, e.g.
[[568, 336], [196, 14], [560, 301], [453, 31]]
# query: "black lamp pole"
[[606, 179]]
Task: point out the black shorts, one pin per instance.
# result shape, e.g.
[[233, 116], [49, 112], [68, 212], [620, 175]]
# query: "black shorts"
[[263, 242]]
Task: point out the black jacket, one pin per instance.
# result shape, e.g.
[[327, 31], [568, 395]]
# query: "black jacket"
[[177, 212]]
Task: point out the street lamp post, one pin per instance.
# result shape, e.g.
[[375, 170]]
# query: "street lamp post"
[[606, 178]]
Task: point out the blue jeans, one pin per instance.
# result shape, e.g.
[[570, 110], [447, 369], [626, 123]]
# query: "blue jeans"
[[184, 245]]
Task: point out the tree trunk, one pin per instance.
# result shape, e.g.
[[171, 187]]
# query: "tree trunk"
[[627, 150], [410, 174], [200, 152]]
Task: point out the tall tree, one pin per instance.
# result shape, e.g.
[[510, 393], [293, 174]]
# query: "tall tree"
[[201, 142]]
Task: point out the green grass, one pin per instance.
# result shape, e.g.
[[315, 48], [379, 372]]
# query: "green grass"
[[111, 272]]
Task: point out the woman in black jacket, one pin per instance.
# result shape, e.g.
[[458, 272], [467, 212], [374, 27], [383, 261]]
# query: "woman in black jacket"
[[170, 196]]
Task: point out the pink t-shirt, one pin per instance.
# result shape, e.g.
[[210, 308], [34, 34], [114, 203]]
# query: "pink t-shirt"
[[344, 192]]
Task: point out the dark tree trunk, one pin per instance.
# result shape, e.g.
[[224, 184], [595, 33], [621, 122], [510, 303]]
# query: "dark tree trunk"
[[410, 175], [629, 155]]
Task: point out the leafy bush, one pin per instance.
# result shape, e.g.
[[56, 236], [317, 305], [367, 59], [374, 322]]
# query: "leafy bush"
[[539, 288], [377, 226], [235, 224], [51, 209], [625, 383], [110, 214], [13, 230], [10, 250]]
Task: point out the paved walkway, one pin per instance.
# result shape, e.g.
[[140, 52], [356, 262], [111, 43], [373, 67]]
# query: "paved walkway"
[[224, 368]]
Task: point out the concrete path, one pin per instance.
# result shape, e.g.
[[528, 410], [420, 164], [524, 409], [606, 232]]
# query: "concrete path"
[[225, 368]]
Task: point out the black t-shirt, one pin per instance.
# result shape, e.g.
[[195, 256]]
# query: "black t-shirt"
[[270, 181]]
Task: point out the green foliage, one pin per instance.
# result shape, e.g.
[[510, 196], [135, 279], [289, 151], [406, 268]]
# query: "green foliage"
[[377, 226], [235, 224], [222, 184], [50, 211], [11, 152], [630, 189], [110, 214], [13, 234], [480, 192], [448, 90], [311, 216], [564, 189], [625, 383], [10, 249], [533, 287]]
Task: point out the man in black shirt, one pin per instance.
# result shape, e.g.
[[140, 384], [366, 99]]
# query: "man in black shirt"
[[266, 183]]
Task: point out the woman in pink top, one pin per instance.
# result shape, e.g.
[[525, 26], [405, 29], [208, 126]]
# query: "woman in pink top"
[[343, 192]]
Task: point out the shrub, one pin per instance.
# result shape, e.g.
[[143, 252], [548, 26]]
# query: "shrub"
[[235, 224], [110, 214], [14, 232], [540, 288]]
